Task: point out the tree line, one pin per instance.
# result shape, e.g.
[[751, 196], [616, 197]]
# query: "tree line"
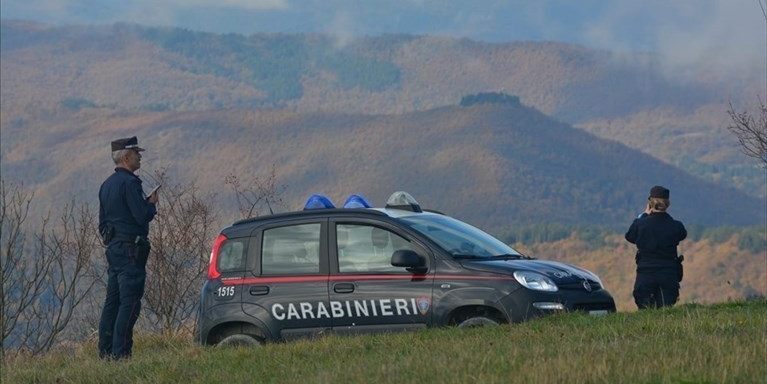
[[752, 238]]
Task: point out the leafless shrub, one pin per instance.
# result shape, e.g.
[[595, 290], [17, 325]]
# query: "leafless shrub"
[[254, 196], [181, 235], [72, 246], [19, 279], [751, 132], [45, 280]]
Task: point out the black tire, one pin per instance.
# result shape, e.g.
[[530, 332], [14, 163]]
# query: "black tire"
[[239, 340], [478, 321]]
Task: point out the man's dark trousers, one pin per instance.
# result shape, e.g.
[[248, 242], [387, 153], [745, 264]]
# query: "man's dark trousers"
[[125, 288]]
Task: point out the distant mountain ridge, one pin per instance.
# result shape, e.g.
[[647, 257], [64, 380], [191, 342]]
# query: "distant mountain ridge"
[[495, 165], [374, 116]]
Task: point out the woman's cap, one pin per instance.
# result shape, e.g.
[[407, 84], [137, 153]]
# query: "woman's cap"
[[659, 192]]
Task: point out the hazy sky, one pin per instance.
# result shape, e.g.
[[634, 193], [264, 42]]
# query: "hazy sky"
[[729, 33]]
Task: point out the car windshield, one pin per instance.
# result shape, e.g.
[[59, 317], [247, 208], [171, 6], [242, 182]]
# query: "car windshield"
[[459, 239]]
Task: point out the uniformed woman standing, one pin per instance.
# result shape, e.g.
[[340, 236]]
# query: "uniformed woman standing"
[[656, 235]]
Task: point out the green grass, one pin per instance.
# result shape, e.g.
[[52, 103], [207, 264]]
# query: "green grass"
[[722, 343]]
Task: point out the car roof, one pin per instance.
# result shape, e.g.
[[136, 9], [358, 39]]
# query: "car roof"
[[310, 213], [400, 204]]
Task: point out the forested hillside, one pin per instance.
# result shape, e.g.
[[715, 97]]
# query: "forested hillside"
[[499, 166], [374, 115], [680, 119]]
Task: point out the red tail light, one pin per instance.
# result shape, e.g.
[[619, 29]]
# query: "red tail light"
[[213, 272]]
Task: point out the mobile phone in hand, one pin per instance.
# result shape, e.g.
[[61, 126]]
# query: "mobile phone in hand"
[[153, 191]]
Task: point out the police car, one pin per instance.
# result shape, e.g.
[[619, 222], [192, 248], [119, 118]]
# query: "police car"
[[358, 269]]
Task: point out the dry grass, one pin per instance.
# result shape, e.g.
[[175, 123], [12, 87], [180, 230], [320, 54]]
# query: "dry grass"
[[721, 343]]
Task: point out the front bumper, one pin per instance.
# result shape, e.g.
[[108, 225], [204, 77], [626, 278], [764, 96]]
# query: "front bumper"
[[525, 304]]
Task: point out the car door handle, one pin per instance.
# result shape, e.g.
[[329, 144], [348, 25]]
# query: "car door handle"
[[259, 290], [343, 288]]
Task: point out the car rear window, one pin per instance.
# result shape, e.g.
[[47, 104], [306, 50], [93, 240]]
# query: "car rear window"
[[231, 256]]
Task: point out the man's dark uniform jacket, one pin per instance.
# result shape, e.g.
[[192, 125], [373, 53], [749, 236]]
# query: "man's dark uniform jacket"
[[124, 206]]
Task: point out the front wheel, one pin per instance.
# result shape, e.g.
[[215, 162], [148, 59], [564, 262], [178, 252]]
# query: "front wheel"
[[478, 321], [239, 340]]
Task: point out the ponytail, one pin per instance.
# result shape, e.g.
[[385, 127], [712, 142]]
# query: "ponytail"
[[658, 204]]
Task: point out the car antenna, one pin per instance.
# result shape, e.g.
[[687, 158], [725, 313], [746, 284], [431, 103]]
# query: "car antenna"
[[269, 205]]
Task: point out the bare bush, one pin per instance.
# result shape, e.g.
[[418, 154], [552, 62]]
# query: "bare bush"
[[20, 282], [253, 196], [751, 132], [72, 246], [181, 235], [45, 277]]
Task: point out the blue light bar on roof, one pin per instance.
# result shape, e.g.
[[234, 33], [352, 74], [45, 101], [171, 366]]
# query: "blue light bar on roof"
[[318, 202], [356, 201]]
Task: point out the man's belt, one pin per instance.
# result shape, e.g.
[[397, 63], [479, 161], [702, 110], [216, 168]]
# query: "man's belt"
[[135, 239]]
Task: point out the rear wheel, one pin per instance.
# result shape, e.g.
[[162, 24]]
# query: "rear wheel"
[[477, 321], [239, 340]]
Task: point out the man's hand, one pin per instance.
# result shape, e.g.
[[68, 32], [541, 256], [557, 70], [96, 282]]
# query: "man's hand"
[[153, 198]]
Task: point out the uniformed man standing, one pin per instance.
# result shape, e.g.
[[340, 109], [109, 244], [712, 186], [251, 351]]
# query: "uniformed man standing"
[[124, 216], [656, 235]]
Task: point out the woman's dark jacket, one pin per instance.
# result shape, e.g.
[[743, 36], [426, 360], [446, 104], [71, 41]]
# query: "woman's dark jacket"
[[656, 236]]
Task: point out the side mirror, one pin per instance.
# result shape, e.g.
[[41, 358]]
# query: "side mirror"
[[408, 259]]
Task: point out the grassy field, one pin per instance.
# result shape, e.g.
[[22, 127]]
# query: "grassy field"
[[720, 343]]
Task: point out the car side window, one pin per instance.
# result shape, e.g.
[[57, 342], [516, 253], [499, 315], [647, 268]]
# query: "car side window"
[[367, 248], [291, 250]]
